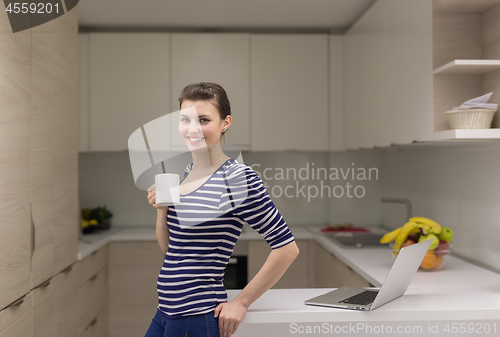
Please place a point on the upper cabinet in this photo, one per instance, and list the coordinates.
(220, 58)
(336, 92)
(289, 92)
(388, 60)
(466, 61)
(407, 62)
(129, 85)
(285, 90)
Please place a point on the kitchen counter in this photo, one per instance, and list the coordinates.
(373, 264)
(282, 312)
(460, 292)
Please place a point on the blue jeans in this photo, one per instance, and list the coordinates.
(194, 325)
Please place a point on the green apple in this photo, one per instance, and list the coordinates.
(430, 236)
(446, 234)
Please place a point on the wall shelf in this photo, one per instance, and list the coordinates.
(467, 67)
(465, 134)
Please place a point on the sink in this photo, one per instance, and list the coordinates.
(358, 240)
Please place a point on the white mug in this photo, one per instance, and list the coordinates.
(167, 189)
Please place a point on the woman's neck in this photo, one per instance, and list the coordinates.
(210, 158)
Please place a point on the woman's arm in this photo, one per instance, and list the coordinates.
(231, 313)
(275, 266)
(162, 229)
(161, 220)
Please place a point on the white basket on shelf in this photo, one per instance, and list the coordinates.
(470, 118)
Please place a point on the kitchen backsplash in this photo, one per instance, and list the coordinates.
(457, 185)
(308, 188)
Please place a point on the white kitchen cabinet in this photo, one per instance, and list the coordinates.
(296, 276)
(336, 60)
(129, 85)
(362, 53)
(466, 55)
(133, 272)
(388, 79)
(289, 92)
(333, 273)
(222, 58)
(407, 62)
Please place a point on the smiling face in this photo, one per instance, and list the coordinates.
(201, 128)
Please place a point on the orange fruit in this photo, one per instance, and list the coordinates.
(429, 261)
(438, 263)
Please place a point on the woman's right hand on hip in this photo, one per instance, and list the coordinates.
(152, 198)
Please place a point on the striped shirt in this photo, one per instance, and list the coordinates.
(203, 229)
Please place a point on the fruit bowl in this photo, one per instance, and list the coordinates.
(434, 259)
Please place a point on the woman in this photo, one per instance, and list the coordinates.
(218, 195)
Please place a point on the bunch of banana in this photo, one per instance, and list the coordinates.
(414, 225)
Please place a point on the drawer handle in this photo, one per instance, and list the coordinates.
(44, 284)
(17, 302)
(93, 277)
(94, 321)
(66, 270)
(93, 253)
(349, 268)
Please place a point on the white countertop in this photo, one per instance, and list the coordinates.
(418, 303)
(373, 264)
(460, 291)
(282, 312)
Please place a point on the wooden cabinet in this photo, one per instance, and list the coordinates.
(98, 327)
(92, 283)
(133, 272)
(222, 58)
(15, 320)
(331, 272)
(54, 133)
(55, 305)
(296, 276)
(92, 299)
(15, 165)
(129, 85)
(38, 175)
(84, 92)
(289, 100)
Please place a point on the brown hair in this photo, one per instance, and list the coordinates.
(205, 91)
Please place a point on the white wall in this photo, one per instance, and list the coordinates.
(458, 186)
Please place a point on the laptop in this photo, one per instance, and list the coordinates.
(395, 284)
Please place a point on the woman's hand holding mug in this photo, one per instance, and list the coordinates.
(152, 198)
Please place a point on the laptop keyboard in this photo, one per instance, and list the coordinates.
(363, 298)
